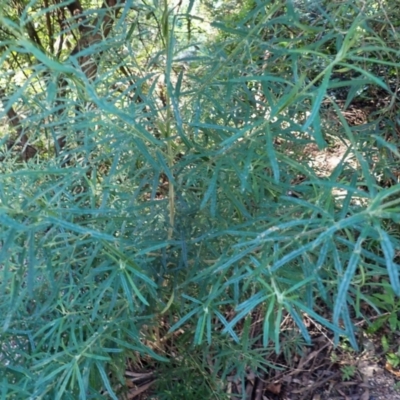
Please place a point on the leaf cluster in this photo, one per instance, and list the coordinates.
(171, 198)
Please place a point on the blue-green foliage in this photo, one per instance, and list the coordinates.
(172, 202)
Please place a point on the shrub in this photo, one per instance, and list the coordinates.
(168, 201)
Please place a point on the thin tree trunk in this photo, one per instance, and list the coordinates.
(90, 36)
(27, 151)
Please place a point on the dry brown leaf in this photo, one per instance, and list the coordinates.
(138, 375)
(132, 394)
(389, 367)
(274, 388)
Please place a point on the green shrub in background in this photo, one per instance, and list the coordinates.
(169, 200)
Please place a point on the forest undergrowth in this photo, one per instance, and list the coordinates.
(197, 198)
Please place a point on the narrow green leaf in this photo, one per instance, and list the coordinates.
(266, 325)
(317, 317)
(136, 290)
(81, 385)
(12, 223)
(246, 307)
(259, 78)
(4, 388)
(65, 380)
(229, 330)
(221, 26)
(199, 332)
(165, 168)
(348, 323)
(211, 190)
(347, 277)
(293, 255)
(322, 255)
(187, 297)
(240, 134)
(349, 195)
(184, 319)
(391, 147)
(105, 380)
(317, 103)
(178, 85)
(53, 374)
(118, 256)
(299, 322)
(169, 303)
(389, 253)
(295, 288)
(128, 294)
(369, 75)
(80, 229)
(141, 349)
(97, 357)
(51, 63)
(271, 153)
(145, 152)
(277, 328)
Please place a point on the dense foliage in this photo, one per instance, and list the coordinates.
(157, 195)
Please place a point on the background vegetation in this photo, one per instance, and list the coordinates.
(158, 204)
